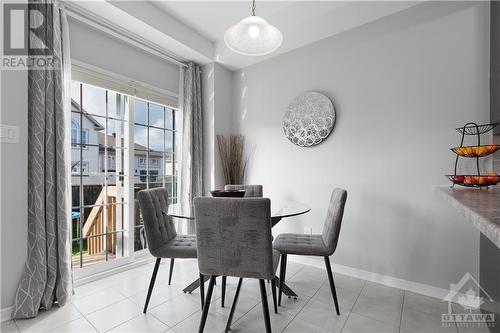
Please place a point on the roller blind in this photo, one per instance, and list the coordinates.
(101, 60)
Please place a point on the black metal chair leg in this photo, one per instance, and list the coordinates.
(152, 284)
(332, 284)
(265, 307)
(233, 307)
(282, 276)
(202, 290)
(206, 305)
(171, 270)
(223, 297)
(273, 287)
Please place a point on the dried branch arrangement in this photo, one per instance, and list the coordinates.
(231, 153)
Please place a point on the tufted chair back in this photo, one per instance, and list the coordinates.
(331, 230)
(158, 226)
(251, 191)
(234, 237)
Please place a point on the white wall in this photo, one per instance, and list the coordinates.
(13, 184)
(400, 86)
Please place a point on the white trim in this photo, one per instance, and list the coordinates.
(118, 32)
(97, 76)
(415, 287)
(122, 268)
(5, 313)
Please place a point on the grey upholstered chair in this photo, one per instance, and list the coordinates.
(163, 241)
(323, 245)
(234, 239)
(254, 191)
(251, 191)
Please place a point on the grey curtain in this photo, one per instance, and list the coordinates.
(192, 137)
(47, 276)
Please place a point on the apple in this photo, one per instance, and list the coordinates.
(459, 179)
(470, 180)
(481, 180)
(492, 178)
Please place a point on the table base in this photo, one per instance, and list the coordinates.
(196, 284)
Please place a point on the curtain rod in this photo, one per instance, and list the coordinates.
(114, 30)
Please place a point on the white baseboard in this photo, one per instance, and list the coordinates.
(5, 314)
(386, 280)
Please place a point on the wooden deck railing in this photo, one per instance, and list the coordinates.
(97, 226)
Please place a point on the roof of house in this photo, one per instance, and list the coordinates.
(75, 107)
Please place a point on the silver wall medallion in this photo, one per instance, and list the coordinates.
(309, 119)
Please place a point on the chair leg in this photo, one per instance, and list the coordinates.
(332, 284)
(282, 277)
(233, 307)
(265, 307)
(223, 290)
(171, 271)
(273, 288)
(206, 305)
(202, 290)
(151, 284)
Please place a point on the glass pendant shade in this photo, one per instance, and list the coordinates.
(253, 36)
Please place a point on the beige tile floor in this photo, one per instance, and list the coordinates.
(114, 304)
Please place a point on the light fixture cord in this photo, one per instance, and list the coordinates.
(253, 7)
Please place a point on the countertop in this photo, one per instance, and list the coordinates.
(480, 206)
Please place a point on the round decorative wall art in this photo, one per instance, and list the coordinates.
(309, 119)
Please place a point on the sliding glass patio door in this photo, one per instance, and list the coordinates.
(119, 145)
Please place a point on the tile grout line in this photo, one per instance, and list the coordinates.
(84, 317)
(17, 327)
(302, 308)
(349, 314)
(261, 302)
(402, 309)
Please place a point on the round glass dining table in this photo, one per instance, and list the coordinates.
(289, 209)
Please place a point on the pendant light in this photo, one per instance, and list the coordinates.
(253, 36)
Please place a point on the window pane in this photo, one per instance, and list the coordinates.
(140, 112)
(141, 137)
(116, 133)
(94, 100)
(169, 141)
(139, 233)
(169, 118)
(156, 114)
(169, 167)
(156, 139)
(140, 167)
(115, 161)
(93, 195)
(112, 105)
(115, 222)
(86, 129)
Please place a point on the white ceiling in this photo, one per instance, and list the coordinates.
(194, 30)
(301, 22)
(211, 19)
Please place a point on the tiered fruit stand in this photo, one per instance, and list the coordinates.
(476, 152)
